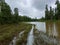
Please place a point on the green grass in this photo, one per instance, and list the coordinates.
(8, 31)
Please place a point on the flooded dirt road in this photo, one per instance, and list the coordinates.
(30, 39)
(42, 33)
(47, 33)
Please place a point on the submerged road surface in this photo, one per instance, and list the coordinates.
(30, 39)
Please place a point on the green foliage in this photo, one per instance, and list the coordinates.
(58, 10)
(46, 13)
(8, 31)
(53, 14)
(6, 15)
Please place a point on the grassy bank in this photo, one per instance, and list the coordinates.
(8, 31)
(23, 39)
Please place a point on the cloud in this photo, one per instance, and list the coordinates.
(40, 4)
(31, 8)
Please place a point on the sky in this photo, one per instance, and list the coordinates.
(31, 8)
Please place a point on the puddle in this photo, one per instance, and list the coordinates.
(30, 39)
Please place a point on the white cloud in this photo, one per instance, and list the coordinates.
(31, 8)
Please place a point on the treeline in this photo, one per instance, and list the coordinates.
(6, 15)
(53, 14)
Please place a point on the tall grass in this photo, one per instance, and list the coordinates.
(23, 39)
(8, 31)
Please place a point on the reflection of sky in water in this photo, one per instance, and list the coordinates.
(40, 26)
(30, 39)
(50, 29)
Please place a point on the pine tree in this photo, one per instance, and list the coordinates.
(16, 14)
(58, 10)
(51, 13)
(46, 13)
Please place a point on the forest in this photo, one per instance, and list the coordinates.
(53, 14)
(7, 16)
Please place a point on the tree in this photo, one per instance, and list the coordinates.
(16, 14)
(46, 13)
(58, 10)
(51, 13)
(5, 16)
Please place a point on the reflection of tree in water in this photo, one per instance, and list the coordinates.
(49, 26)
(54, 31)
(58, 28)
(48, 38)
(43, 39)
(51, 29)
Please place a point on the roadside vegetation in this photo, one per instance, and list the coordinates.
(7, 16)
(7, 32)
(23, 39)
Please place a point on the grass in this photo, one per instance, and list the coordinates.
(23, 39)
(8, 31)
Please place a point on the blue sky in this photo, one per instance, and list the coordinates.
(31, 8)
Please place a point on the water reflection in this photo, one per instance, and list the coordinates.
(39, 25)
(49, 33)
(50, 28)
(30, 39)
(58, 28)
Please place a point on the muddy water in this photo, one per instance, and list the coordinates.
(51, 29)
(30, 39)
